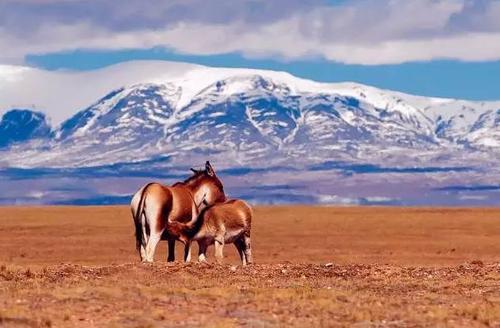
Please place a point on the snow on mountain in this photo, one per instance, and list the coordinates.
(61, 94)
(17, 126)
(486, 130)
(246, 116)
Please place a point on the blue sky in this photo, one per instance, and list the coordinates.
(448, 48)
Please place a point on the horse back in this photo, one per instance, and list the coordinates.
(233, 213)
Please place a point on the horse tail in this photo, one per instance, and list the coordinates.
(140, 226)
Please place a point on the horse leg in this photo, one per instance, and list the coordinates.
(219, 249)
(140, 246)
(156, 229)
(187, 252)
(154, 238)
(240, 246)
(171, 250)
(143, 253)
(248, 249)
(202, 251)
(144, 238)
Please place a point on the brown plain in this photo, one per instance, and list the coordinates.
(77, 266)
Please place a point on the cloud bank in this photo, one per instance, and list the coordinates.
(368, 32)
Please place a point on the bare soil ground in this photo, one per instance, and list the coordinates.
(315, 266)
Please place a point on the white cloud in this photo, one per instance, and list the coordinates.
(357, 32)
(379, 199)
(337, 200)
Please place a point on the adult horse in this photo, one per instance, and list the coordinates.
(155, 207)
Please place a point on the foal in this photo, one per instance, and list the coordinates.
(222, 223)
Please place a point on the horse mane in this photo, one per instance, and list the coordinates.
(188, 180)
(198, 176)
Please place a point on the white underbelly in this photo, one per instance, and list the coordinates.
(231, 236)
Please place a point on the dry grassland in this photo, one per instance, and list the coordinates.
(315, 266)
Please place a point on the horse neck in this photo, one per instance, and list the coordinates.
(191, 230)
(198, 190)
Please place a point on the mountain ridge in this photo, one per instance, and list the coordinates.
(245, 112)
(103, 80)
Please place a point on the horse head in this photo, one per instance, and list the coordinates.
(207, 188)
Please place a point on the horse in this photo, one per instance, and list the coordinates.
(223, 223)
(156, 207)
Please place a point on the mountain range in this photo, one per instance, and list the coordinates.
(156, 119)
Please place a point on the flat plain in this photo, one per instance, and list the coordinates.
(314, 266)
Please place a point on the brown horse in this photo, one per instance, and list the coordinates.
(155, 207)
(222, 223)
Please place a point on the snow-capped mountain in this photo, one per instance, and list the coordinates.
(18, 126)
(252, 114)
(242, 117)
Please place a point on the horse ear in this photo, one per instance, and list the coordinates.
(194, 170)
(209, 169)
